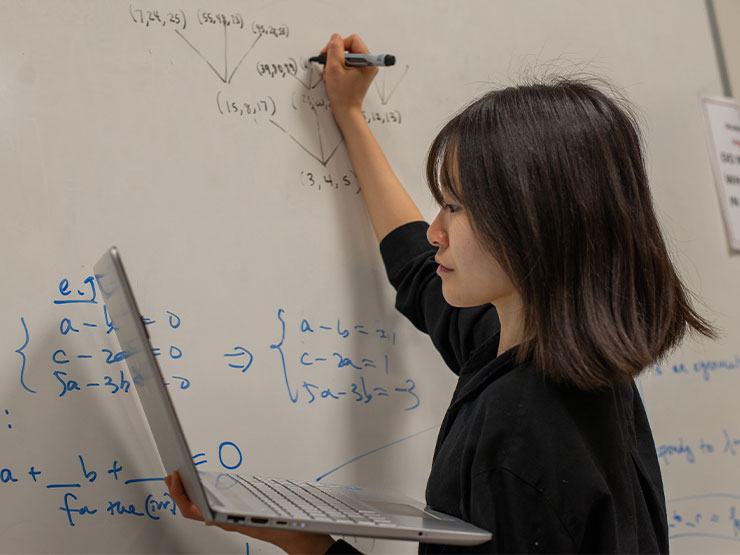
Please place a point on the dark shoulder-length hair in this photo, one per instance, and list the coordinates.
(553, 178)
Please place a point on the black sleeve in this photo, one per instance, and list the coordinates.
(409, 263)
(518, 515)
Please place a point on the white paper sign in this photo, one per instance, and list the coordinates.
(722, 116)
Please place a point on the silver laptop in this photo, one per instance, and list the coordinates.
(258, 501)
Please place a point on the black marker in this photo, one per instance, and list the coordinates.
(360, 60)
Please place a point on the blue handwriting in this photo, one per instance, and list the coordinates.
(713, 515)
(344, 332)
(19, 350)
(360, 390)
(241, 352)
(691, 451)
(82, 296)
(84, 510)
(703, 368)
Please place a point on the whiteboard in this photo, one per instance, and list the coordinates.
(195, 137)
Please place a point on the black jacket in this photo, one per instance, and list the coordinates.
(546, 468)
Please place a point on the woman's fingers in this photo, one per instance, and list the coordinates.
(177, 492)
(354, 43)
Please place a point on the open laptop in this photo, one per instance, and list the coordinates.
(257, 501)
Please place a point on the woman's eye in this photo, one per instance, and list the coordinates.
(451, 208)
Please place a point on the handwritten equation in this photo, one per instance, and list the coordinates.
(318, 359)
(365, 378)
(713, 515)
(71, 366)
(78, 492)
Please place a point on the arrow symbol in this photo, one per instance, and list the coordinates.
(240, 352)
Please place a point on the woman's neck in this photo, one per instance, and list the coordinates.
(511, 316)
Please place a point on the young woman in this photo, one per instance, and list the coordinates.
(545, 284)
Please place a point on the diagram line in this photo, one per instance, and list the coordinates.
(226, 53)
(311, 154)
(397, 83)
(380, 93)
(333, 151)
(318, 81)
(201, 55)
(376, 450)
(299, 80)
(318, 132)
(243, 57)
(310, 85)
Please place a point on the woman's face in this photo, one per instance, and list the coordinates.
(471, 276)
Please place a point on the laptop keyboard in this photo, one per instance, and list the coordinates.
(305, 500)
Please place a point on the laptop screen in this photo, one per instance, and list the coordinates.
(146, 375)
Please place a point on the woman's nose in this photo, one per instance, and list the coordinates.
(436, 234)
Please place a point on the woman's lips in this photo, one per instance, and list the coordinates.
(442, 269)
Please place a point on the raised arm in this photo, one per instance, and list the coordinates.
(388, 203)
(454, 332)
